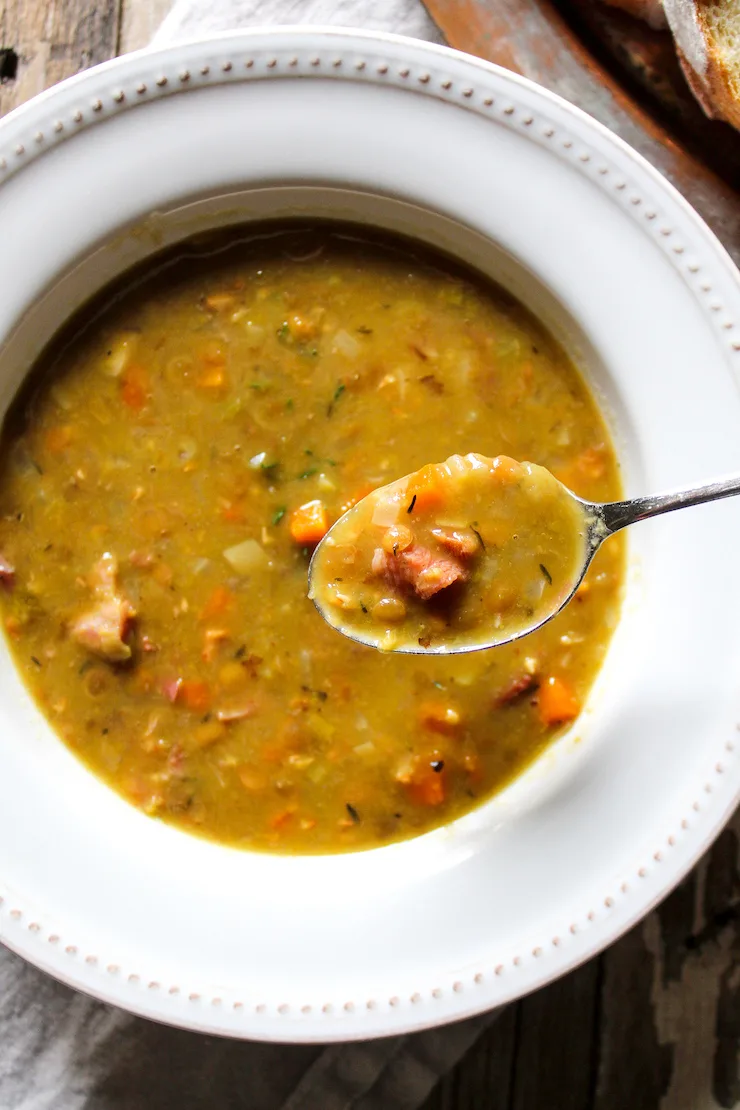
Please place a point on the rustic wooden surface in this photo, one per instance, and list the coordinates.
(654, 1022)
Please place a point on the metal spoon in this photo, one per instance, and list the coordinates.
(602, 519)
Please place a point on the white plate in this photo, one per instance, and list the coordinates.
(468, 156)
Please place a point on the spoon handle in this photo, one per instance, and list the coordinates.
(618, 514)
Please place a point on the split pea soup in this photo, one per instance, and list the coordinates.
(166, 473)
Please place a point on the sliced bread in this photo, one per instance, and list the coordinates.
(707, 34)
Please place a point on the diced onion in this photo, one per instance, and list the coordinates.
(388, 510)
(246, 557)
(346, 344)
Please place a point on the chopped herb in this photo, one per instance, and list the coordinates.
(321, 695)
(305, 552)
(309, 473)
(105, 731)
(278, 515)
(546, 573)
(48, 547)
(438, 685)
(476, 533)
(363, 607)
(283, 332)
(85, 666)
(365, 330)
(269, 467)
(437, 765)
(240, 652)
(205, 719)
(337, 394)
(308, 451)
(411, 506)
(35, 660)
(289, 404)
(36, 466)
(259, 387)
(353, 813)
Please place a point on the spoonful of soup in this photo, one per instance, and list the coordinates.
(467, 554)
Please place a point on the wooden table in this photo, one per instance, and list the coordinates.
(654, 1022)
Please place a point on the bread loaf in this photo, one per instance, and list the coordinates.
(707, 34)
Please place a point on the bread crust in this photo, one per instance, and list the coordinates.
(701, 61)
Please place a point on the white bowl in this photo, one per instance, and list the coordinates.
(115, 163)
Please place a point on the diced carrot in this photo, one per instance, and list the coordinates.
(220, 302)
(440, 717)
(427, 789)
(592, 463)
(212, 377)
(506, 470)
(428, 487)
(13, 626)
(302, 327)
(59, 437)
(585, 468)
(309, 523)
(233, 513)
(281, 819)
(194, 695)
(135, 386)
(557, 702)
(220, 602)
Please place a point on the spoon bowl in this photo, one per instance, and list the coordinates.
(590, 524)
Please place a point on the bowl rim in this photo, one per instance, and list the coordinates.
(20, 144)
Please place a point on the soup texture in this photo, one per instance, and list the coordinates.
(165, 476)
(464, 553)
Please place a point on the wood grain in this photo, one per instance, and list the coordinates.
(54, 39)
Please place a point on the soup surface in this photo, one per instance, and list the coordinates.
(469, 552)
(165, 476)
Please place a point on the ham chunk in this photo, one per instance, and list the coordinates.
(418, 568)
(7, 572)
(101, 628)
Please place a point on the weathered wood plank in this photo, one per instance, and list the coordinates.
(53, 39)
(557, 1043)
(483, 1079)
(139, 20)
(670, 1008)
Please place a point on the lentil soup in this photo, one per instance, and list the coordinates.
(176, 455)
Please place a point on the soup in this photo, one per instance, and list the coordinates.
(177, 454)
(459, 555)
